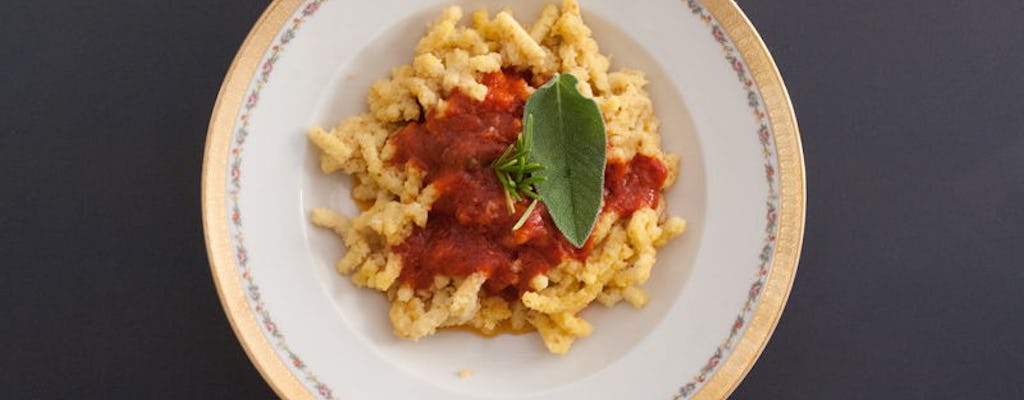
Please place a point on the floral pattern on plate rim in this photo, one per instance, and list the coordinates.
(235, 188)
(295, 362)
(766, 137)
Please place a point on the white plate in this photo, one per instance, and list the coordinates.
(716, 292)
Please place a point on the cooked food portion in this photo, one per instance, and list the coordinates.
(453, 239)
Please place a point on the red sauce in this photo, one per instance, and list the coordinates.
(469, 228)
(634, 185)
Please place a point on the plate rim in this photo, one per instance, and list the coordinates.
(748, 347)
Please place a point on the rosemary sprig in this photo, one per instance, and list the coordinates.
(526, 215)
(515, 172)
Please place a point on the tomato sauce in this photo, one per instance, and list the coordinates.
(633, 185)
(469, 228)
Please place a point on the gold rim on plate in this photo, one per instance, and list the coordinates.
(762, 322)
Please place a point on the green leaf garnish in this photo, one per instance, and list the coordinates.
(570, 144)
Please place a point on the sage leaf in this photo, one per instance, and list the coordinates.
(569, 141)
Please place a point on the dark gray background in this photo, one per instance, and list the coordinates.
(909, 286)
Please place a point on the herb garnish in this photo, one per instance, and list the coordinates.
(515, 173)
(564, 167)
(571, 145)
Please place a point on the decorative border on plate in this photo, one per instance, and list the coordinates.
(229, 258)
(766, 136)
(235, 187)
